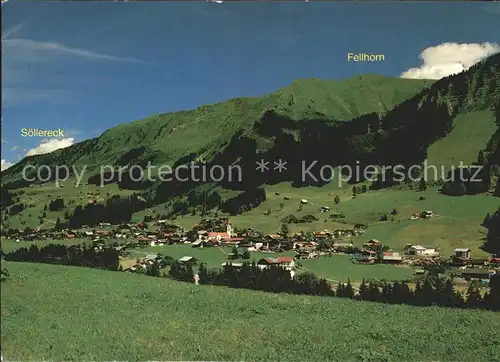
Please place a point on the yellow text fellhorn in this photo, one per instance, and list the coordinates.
(365, 57)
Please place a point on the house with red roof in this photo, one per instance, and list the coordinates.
(392, 257)
(286, 261)
(495, 260)
(217, 236)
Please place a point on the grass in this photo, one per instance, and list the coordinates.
(471, 133)
(41, 196)
(86, 314)
(458, 225)
(336, 267)
(340, 268)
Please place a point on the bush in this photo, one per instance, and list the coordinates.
(4, 275)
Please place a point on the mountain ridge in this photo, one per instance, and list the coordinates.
(298, 100)
(289, 124)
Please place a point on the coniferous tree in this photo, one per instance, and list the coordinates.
(324, 288)
(492, 223)
(419, 295)
(57, 226)
(422, 185)
(448, 295)
(235, 252)
(406, 295)
(348, 290)
(428, 297)
(492, 300)
(480, 158)
(189, 273)
(385, 294)
(487, 220)
(175, 270)
(374, 292)
(396, 293)
(364, 291)
(474, 298)
(203, 274)
(153, 270)
(284, 230)
(340, 290)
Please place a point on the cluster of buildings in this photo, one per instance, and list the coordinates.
(144, 263)
(426, 214)
(306, 245)
(285, 262)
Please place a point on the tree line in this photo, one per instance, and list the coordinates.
(72, 255)
(432, 291)
(116, 210)
(492, 224)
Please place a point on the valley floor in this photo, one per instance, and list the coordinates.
(67, 313)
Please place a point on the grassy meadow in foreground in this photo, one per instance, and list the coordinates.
(83, 314)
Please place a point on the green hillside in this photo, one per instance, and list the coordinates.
(382, 113)
(370, 120)
(88, 314)
(471, 133)
(206, 130)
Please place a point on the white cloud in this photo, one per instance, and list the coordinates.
(24, 78)
(11, 31)
(48, 146)
(5, 165)
(28, 50)
(450, 58)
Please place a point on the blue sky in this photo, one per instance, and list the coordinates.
(88, 67)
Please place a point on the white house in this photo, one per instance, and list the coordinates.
(186, 259)
(462, 253)
(234, 265)
(420, 250)
(244, 247)
(198, 243)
